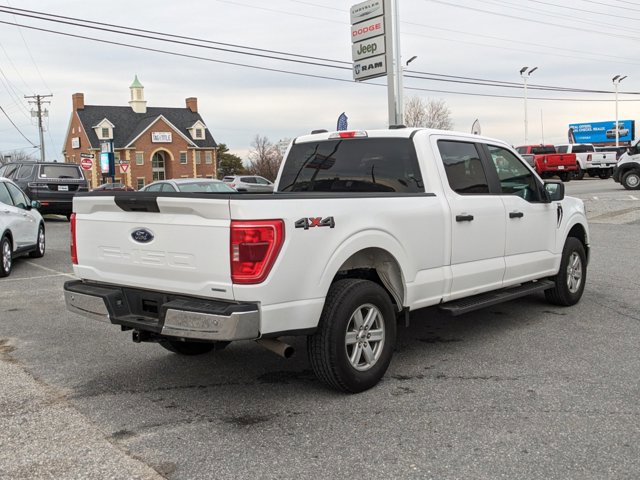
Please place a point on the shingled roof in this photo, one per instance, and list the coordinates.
(129, 124)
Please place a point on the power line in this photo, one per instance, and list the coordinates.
(16, 127)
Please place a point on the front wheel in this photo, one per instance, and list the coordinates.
(6, 257)
(572, 276)
(191, 348)
(631, 180)
(352, 347)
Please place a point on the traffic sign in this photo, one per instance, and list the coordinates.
(124, 167)
(86, 163)
(87, 155)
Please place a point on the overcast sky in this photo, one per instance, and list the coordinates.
(576, 44)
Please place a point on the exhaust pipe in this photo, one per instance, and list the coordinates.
(276, 346)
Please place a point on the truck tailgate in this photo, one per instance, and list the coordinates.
(566, 160)
(164, 243)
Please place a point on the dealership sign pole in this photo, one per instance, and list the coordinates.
(375, 46)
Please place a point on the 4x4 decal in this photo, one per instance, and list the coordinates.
(311, 222)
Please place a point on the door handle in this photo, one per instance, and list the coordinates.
(516, 214)
(464, 218)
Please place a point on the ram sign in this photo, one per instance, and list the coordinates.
(602, 132)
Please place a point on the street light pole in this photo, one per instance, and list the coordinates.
(525, 72)
(616, 81)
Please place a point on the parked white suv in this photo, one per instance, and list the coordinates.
(21, 226)
(249, 183)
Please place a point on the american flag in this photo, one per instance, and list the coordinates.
(342, 122)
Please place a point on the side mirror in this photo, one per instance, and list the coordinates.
(554, 190)
(35, 204)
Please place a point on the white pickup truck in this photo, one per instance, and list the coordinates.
(594, 163)
(364, 227)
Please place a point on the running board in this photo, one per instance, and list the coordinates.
(469, 304)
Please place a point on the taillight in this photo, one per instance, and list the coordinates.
(589, 158)
(74, 252)
(254, 248)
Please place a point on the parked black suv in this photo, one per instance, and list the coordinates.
(53, 184)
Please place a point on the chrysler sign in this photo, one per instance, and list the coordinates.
(366, 10)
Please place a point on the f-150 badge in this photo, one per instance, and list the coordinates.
(311, 222)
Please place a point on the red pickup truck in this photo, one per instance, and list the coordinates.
(548, 162)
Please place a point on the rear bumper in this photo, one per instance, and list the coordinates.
(163, 313)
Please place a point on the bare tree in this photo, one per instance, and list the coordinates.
(264, 158)
(16, 156)
(430, 113)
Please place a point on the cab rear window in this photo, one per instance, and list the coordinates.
(60, 171)
(352, 165)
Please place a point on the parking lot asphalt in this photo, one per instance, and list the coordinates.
(519, 390)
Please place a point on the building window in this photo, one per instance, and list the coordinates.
(208, 157)
(140, 183)
(183, 158)
(105, 132)
(116, 156)
(140, 158)
(198, 161)
(199, 133)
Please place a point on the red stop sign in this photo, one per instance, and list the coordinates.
(86, 163)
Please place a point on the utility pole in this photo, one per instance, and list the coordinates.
(525, 72)
(616, 81)
(38, 100)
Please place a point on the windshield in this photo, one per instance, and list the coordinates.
(352, 165)
(543, 150)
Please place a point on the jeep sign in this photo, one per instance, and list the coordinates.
(367, 48)
(369, 68)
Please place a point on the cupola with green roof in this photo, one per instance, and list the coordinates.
(137, 103)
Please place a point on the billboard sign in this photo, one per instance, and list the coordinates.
(602, 132)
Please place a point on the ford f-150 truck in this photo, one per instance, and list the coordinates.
(590, 161)
(363, 228)
(548, 162)
(627, 172)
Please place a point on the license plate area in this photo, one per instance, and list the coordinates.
(63, 188)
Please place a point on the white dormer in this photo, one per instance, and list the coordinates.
(104, 130)
(197, 130)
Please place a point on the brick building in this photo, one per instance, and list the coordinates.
(149, 143)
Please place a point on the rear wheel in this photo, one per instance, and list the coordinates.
(352, 347)
(605, 174)
(6, 257)
(191, 348)
(41, 245)
(631, 180)
(565, 176)
(572, 276)
(579, 174)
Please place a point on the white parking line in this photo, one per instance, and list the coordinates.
(595, 198)
(13, 279)
(632, 197)
(48, 269)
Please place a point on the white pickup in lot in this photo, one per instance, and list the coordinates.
(591, 162)
(363, 228)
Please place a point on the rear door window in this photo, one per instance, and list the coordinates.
(4, 195)
(19, 199)
(25, 171)
(463, 167)
(352, 165)
(9, 170)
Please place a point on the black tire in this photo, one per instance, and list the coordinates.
(631, 180)
(565, 176)
(605, 175)
(572, 276)
(40, 244)
(6, 257)
(191, 348)
(579, 174)
(345, 352)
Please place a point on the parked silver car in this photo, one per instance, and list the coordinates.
(21, 226)
(249, 183)
(195, 185)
